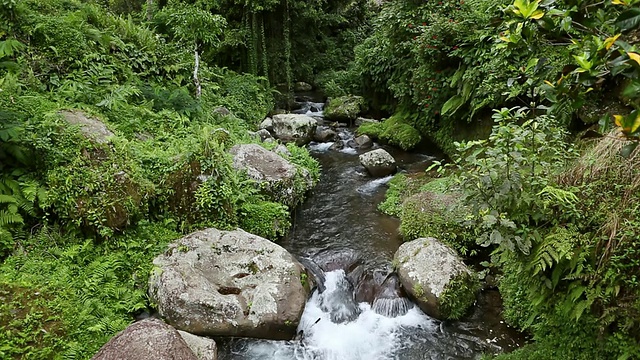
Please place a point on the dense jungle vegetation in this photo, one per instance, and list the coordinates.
(535, 102)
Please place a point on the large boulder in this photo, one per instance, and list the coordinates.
(277, 177)
(378, 162)
(301, 86)
(294, 128)
(229, 283)
(436, 278)
(90, 127)
(149, 339)
(344, 108)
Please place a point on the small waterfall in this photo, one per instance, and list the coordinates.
(391, 300)
(338, 299)
(392, 307)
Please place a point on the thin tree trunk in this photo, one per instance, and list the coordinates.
(149, 10)
(196, 80)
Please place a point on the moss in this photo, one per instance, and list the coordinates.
(344, 108)
(430, 214)
(371, 129)
(458, 296)
(395, 131)
(267, 219)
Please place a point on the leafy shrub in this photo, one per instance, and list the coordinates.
(265, 218)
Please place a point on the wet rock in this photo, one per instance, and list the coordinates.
(436, 278)
(337, 145)
(149, 339)
(203, 348)
(90, 127)
(338, 299)
(363, 142)
(228, 283)
(390, 299)
(264, 134)
(344, 108)
(294, 128)
(360, 120)
(324, 134)
(301, 86)
(266, 124)
(275, 176)
(378, 162)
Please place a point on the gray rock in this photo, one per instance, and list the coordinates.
(294, 128)
(275, 175)
(149, 339)
(90, 127)
(266, 124)
(363, 142)
(282, 150)
(264, 134)
(301, 86)
(433, 274)
(378, 162)
(221, 110)
(203, 348)
(324, 134)
(228, 283)
(360, 120)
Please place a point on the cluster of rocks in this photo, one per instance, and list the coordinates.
(215, 283)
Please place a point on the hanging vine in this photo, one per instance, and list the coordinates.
(265, 57)
(253, 47)
(287, 46)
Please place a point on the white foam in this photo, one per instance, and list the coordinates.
(372, 185)
(320, 147)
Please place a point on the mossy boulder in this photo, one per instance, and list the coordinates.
(344, 108)
(283, 181)
(98, 184)
(436, 278)
(394, 131)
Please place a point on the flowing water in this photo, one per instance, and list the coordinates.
(359, 311)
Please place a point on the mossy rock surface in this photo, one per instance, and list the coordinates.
(436, 278)
(344, 108)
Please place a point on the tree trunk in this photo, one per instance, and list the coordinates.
(196, 69)
(149, 10)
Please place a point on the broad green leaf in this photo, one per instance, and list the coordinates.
(629, 19)
(452, 105)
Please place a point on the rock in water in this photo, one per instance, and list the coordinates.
(378, 162)
(344, 108)
(338, 299)
(364, 142)
(149, 339)
(301, 86)
(294, 128)
(391, 300)
(228, 283)
(276, 176)
(436, 278)
(203, 348)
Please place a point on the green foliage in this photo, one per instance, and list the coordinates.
(458, 296)
(505, 178)
(80, 293)
(397, 130)
(265, 218)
